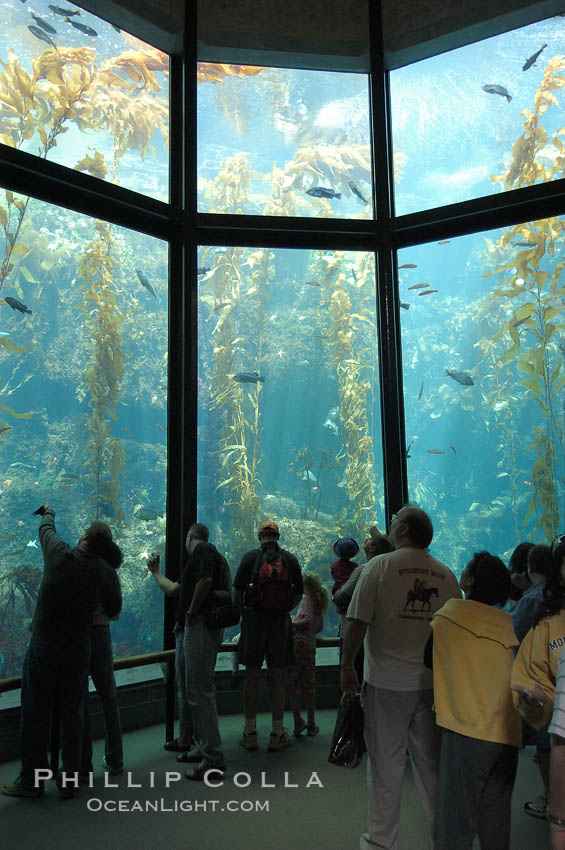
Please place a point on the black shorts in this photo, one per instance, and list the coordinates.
(266, 635)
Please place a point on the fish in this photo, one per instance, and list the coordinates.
(313, 283)
(144, 281)
(408, 266)
(16, 305)
(202, 270)
(453, 450)
(408, 447)
(532, 60)
(444, 241)
(57, 10)
(42, 36)
(526, 243)
(32, 544)
(147, 513)
(435, 452)
(427, 292)
(83, 28)
(421, 391)
(322, 192)
(43, 24)
(221, 305)
(248, 378)
(461, 377)
(356, 191)
(4, 333)
(332, 420)
(69, 476)
(521, 321)
(419, 286)
(308, 475)
(495, 89)
(5, 429)
(404, 305)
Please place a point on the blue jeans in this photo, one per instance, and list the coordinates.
(53, 674)
(185, 717)
(200, 650)
(102, 672)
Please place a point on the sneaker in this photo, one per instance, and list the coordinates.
(249, 740)
(312, 730)
(537, 808)
(66, 792)
(280, 742)
(299, 725)
(21, 788)
(113, 771)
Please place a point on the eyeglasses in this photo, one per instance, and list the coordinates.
(557, 543)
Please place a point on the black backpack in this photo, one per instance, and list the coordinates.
(220, 609)
(270, 586)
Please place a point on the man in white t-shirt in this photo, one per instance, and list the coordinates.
(396, 597)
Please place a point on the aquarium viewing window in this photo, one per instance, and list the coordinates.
(274, 141)
(345, 333)
(81, 92)
(272, 326)
(484, 382)
(83, 406)
(481, 119)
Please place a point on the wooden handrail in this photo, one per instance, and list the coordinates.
(152, 658)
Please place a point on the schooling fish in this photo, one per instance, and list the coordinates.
(202, 270)
(532, 60)
(16, 305)
(461, 377)
(83, 28)
(444, 241)
(356, 191)
(43, 24)
(408, 266)
(421, 391)
(57, 10)
(322, 192)
(404, 305)
(526, 243)
(435, 452)
(494, 89)
(427, 292)
(419, 286)
(144, 281)
(42, 36)
(248, 378)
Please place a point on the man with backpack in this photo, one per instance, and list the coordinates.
(268, 586)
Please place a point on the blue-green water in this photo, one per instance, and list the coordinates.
(88, 366)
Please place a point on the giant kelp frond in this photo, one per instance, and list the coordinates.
(526, 167)
(210, 72)
(104, 373)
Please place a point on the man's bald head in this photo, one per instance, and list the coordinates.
(414, 525)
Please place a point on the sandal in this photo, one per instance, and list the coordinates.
(198, 773)
(174, 746)
(189, 756)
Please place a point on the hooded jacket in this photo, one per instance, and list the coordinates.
(473, 654)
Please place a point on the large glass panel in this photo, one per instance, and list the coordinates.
(289, 426)
(273, 141)
(81, 92)
(481, 119)
(83, 366)
(484, 385)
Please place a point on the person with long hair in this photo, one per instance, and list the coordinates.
(307, 623)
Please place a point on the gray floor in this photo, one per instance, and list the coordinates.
(229, 817)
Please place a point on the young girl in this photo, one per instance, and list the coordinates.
(302, 677)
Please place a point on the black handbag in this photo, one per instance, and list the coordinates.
(348, 741)
(221, 611)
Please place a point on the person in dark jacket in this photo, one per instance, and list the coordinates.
(75, 580)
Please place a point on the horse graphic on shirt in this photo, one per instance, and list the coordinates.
(422, 594)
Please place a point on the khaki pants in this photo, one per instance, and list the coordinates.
(397, 721)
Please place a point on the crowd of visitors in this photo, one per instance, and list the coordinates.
(455, 675)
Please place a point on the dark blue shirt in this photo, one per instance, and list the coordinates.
(525, 610)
